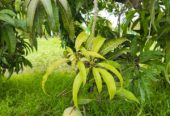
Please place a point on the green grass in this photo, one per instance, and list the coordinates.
(22, 95)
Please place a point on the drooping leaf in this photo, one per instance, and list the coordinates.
(4, 60)
(82, 71)
(127, 94)
(31, 12)
(48, 27)
(111, 45)
(27, 62)
(56, 25)
(49, 10)
(50, 69)
(12, 38)
(97, 78)
(6, 18)
(114, 70)
(8, 12)
(76, 86)
(97, 43)
(67, 18)
(9, 37)
(92, 54)
(114, 64)
(48, 7)
(82, 37)
(109, 80)
(39, 21)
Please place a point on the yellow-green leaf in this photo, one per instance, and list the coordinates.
(76, 86)
(50, 70)
(89, 42)
(92, 54)
(69, 50)
(111, 44)
(97, 43)
(82, 71)
(114, 63)
(112, 69)
(70, 54)
(127, 94)
(82, 37)
(98, 80)
(109, 80)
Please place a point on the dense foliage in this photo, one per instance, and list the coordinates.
(140, 43)
(13, 47)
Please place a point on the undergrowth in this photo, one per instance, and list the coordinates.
(22, 95)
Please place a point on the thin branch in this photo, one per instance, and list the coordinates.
(95, 16)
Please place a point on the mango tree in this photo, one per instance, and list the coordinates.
(136, 52)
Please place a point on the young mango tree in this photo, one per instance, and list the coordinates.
(144, 54)
(89, 62)
(139, 44)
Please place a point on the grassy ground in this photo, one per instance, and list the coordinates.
(22, 94)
